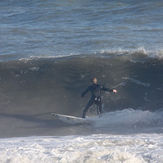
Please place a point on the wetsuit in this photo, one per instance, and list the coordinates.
(95, 90)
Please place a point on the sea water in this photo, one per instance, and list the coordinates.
(49, 51)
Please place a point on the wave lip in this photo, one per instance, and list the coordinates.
(137, 52)
(131, 54)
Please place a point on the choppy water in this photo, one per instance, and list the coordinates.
(94, 148)
(52, 28)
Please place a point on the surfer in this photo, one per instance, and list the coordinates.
(95, 90)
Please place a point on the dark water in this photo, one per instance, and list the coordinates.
(32, 89)
(56, 84)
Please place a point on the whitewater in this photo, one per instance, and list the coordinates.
(133, 137)
(93, 148)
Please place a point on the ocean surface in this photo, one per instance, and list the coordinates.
(49, 51)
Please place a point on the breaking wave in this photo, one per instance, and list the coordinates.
(31, 89)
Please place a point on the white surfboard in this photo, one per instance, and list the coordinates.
(70, 119)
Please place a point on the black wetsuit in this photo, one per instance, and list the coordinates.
(95, 90)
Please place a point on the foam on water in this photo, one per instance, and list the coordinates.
(93, 148)
(129, 118)
(130, 54)
(134, 147)
(136, 52)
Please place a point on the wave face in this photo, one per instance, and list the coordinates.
(57, 83)
(32, 89)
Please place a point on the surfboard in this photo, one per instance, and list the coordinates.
(70, 119)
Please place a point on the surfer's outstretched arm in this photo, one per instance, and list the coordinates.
(108, 89)
(85, 92)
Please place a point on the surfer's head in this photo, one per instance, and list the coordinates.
(94, 80)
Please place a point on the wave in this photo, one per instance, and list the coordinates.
(39, 86)
(58, 82)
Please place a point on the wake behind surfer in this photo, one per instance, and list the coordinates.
(95, 89)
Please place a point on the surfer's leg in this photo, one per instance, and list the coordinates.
(87, 107)
(99, 108)
(98, 102)
(98, 112)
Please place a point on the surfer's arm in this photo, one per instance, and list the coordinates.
(85, 92)
(108, 89)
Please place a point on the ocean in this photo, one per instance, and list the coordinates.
(49, 51)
